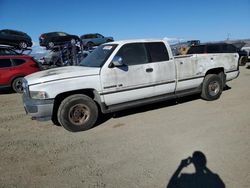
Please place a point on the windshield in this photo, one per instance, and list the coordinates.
(98, 56)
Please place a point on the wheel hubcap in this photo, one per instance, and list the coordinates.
(213, 88)
(23, 45)
(79, 114)
(18, 86)
(51, 44)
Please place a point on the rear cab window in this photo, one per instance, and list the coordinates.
(157, 51)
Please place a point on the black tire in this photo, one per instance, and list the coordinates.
(50, 45)
(212, 87)
(73, 41)
(23, 45)
(17, 85)
(77, 113)
(89, 45)
(242, 61)
(55, 121)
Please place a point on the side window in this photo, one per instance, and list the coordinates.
(213, 49)
(157, 51)
(133, 54)
(196, 49)
(62, 34)
(13, 32)
(4, 63)
(7, 52)
(3, 32)
(99, 36)
(18, 62)
(231, 49)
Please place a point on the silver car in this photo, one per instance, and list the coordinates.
(95, 39)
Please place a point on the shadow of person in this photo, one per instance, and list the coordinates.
(202, 178)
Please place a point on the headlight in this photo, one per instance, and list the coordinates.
(38, 95)
(25, 86)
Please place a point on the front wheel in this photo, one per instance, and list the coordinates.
(17, 85)
(77, 113)
(212, 87)
(242, 61)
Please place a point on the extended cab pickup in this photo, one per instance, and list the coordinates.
(120, 75)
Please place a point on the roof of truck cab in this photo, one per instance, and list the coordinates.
(136, 41)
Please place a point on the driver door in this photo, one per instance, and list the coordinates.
(132, 81)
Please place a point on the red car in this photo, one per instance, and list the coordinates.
(13, 67)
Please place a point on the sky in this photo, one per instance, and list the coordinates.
(208, 20)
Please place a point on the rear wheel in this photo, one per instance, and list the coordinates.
(243, 61)
(212, 87)
(50, 45)
(73, 41)
(23, 45)
(77, 113)
(17, 85)
(90, 45)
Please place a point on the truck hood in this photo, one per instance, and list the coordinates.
(61, 73)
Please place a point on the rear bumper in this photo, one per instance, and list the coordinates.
(40, 110)
(232, 75)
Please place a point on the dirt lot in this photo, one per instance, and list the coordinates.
(135, 148)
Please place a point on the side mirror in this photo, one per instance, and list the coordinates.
(117, 61)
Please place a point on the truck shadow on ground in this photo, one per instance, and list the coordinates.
(202, 177)
(155, 106)
(149, 107)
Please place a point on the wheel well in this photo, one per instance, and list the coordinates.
(215, 71)
(220, 72)
(60, 97)
(12, 80)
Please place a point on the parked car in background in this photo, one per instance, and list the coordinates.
(181, 48)
(219, 48)
(95, 39)
(13, 67)
(63, 55)
(15, 38)
(49, 40)
(247, 49)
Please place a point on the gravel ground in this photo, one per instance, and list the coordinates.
(134, 148)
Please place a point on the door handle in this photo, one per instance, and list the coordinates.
(149, 70)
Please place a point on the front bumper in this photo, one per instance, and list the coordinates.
(40, 110)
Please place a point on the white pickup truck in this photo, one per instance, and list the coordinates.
(120, 75)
